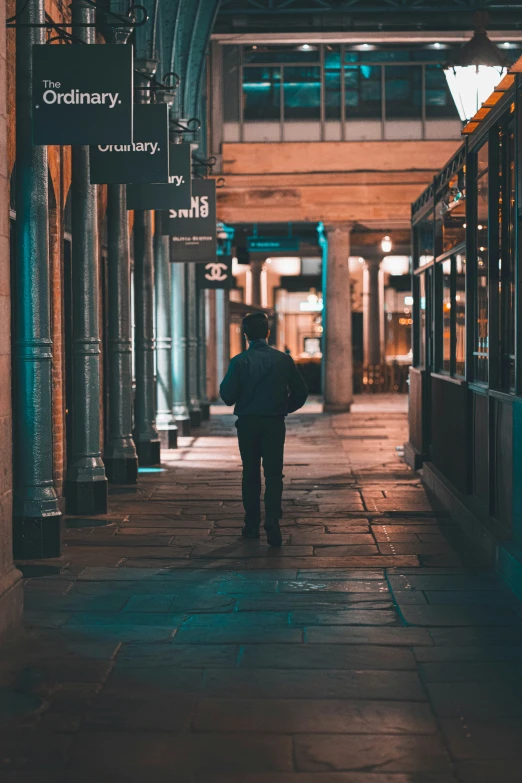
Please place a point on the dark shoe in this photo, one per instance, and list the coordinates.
(249, 531)
(273, 532)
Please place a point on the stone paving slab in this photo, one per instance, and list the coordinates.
(372, 648)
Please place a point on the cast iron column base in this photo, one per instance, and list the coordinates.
(86, 497)
(195, 417)
(183, 427)
(205, 411)
(168, 437)
(36, 537)
(149, 452)
(121, 470)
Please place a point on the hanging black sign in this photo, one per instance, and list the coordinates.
(82, 94)
(193, 230)
(146, 159)
(216, 273)
(175, 195)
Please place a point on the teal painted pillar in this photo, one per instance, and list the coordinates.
(36, 531)
(179, 349)
(120, 458)
(146, 435)
(191, 295)
(222, 333)
(86, 486)
(202, 355)
(166, 423)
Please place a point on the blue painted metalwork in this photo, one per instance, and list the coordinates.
(165, 420)
(86, 486)
(36, 514)
(120, 457)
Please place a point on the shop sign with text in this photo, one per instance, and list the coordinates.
(193, 230)
(216, 274)
(264, 244)
(145, 159)
(174, 195)
(82, 94)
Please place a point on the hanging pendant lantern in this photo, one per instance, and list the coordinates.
(477, 69)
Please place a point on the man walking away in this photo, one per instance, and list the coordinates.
(265, 386)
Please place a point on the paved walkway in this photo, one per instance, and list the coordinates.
(369, 649)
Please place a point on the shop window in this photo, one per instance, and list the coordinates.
(451, 305)
(332, 83)
(506, 276)
(450, 215)
(403, 92)
(439, 102)
(261, 93)
(231, 85)
(363, 91)
(481, 326)
(460, 315)
(446, 316)
(422, 320)
(423, 241)
(302, 91)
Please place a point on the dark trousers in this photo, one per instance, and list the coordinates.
(261, 438)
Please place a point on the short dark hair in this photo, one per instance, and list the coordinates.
(255, 326)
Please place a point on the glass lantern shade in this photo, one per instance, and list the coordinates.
(471, 85)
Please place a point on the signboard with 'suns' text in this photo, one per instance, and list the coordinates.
(193, 230)
(146, 159)
(176, 194)
(82, 94)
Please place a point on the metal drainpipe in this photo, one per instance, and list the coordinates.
(86, 486)
(167, 428)
(36, 520)
(192, 345)
(146, 435)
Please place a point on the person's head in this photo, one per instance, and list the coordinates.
(255, 326)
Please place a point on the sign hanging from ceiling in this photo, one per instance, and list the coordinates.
(262, 244)
(82, 94)
(216, 274)
(144, 160)
(193, 230)
(174, 195)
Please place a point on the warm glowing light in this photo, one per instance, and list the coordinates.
(386, 244)
(286, 266)
(471, 85)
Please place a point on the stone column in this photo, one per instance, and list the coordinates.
(191, 294)
(86, 487)
(179, 349)
(202, 355)
(121, 461)
(372, 313)
(337, 321)
(256, 267)
(166, 423)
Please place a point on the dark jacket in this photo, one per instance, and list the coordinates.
(263, 382)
